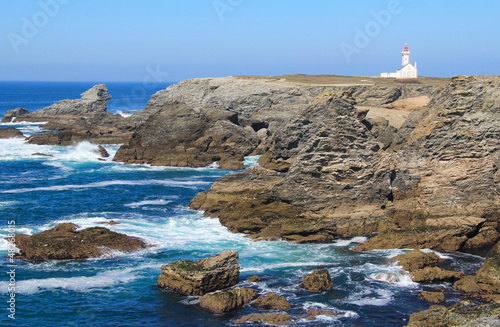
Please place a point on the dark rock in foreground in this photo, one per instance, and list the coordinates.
(10, 132)
(317, 281)
(65, 242)
(225, 301)
(464, 313)
(203, 276)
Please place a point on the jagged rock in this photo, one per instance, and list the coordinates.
(434, 297)
(485, 285)
(225, 301)
(14, 115)
(91, 102)
(65, 242)
(435, 275)
(463, 313)
(203, 276)
(486, 238)
(417, 259)
(272, 301)
(10, 133)
(102, 152)
(254, 279)
(317, 281)
(276, 319)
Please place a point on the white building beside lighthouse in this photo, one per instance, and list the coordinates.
(407, 71)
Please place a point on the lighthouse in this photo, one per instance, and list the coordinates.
(407, 70)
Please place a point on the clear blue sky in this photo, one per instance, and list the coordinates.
(127, 40)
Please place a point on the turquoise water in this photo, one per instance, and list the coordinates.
(152, 203)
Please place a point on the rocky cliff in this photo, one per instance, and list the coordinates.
(435, 186)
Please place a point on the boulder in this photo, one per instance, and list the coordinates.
(225, 301)
(102, 152)
(463, 313)
(417, 259)
(434, 297)
(272, 301)
(317, 281)
(203, 276)
(10, 133)
(254, 279)
(64, 242)
(273, 319)
(14, 115)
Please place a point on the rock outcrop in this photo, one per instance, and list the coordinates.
(327, 175)
(434, 297)
(485, 285)
(10, 133)
(225, 301)
(464, 314)
(272, 301)
(65, 242)
(423, 267)
(317, 281)
(14, 115)
(203, 276)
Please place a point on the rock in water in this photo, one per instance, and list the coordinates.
(272, 301)
(417, 259)
(10, 133)
(317, 281)
(273, 319)
(102, 152)
(434, 297)
(65, 242)
(203, 276)
(227, 300)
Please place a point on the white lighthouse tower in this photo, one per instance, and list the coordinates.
(407, 71)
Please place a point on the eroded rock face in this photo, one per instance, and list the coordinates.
(317, 281)
(65, 242)
(203, 276)
(225, 301)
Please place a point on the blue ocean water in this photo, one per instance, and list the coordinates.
(152, 203)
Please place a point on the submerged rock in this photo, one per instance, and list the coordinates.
(10, 133)
(65, 242)
(274, 319)
(317, 281)
(203, 276)
(254, 279)
(227, 300)
(272, 301)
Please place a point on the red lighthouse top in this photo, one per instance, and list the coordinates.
(405, 49)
